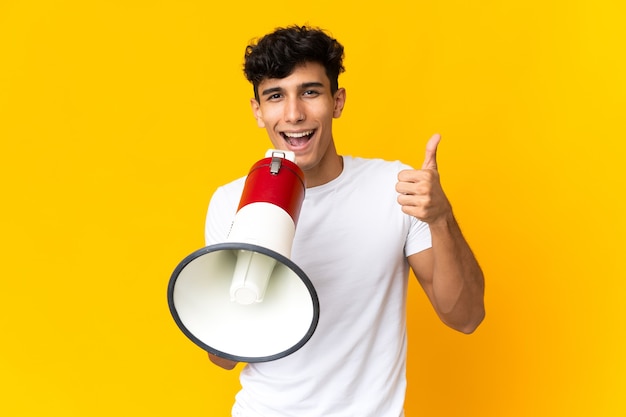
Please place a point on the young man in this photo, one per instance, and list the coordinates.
(363, 223)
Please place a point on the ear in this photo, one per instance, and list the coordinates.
(340, 101)
(256, 111)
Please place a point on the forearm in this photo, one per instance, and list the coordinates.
(221, 362)
(457, 280)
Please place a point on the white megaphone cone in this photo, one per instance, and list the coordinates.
(244, 299)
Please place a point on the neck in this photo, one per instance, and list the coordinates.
(329, 168)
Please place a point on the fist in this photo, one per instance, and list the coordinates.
(420, 192)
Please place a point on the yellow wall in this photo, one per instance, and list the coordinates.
(119, 118)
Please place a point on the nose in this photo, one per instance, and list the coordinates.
(294, 112)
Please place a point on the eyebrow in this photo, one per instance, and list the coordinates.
(303, 86)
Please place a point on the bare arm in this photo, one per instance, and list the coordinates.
(448, 272)
(451, 278)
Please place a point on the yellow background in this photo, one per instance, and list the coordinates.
(119, 118)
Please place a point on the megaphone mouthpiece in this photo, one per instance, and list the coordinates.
(251, 276)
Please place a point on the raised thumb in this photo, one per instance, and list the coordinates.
(430, 159)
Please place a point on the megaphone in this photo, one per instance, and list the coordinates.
(244, 299)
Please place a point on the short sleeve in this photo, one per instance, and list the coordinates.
(418, 238)
(221, 212)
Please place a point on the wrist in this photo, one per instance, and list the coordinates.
(444, 222)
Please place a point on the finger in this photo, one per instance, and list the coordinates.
(409, 175)
(405, 188)
(430, 160)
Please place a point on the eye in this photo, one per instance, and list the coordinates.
(311, 93)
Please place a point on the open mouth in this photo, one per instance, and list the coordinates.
(297, 139)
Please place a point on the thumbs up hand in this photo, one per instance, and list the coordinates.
(420, 192)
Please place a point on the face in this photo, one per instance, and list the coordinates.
(297, 112)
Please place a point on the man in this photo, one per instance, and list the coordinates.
(362, 224)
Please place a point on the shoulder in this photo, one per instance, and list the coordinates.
(373, 168)
(229, 192)
(374, 163)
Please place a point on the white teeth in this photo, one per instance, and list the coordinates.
(297, 134)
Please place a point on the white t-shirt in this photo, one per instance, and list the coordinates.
(352, 240)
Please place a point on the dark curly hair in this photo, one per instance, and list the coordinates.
(277, 54)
